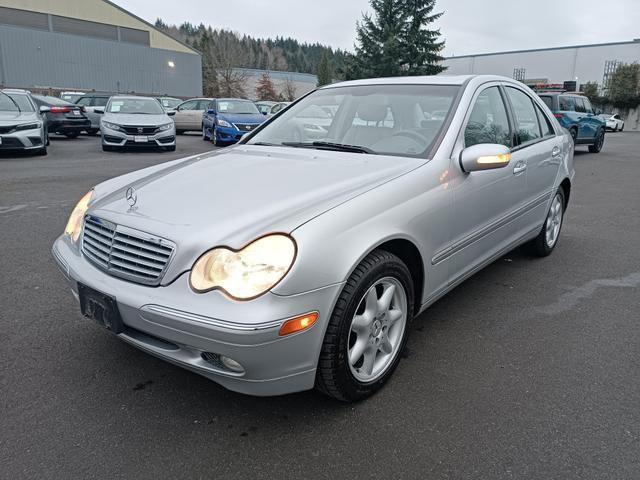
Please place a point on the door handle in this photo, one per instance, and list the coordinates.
(555, 153)
(519, 167)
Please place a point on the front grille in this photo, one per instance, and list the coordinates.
(246, 127)
(139, 130)
(124, 252)
(11, 142)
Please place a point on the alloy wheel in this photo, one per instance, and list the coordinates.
(377, 329)
(554, 221)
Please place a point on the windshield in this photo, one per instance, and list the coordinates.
(234, 107)
(7, 104)
(71, 97)
(141, 106)
(385, 119)
(23, 102)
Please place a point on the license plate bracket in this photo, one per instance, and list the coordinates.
(140, 139)
(101, 308)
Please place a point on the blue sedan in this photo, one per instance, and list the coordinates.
(226, 120)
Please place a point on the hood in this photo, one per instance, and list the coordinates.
(15, 118)
(137, 120)
(242, 118)
(231, 198)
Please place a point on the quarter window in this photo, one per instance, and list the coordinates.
(580, 107)
(525, 116)
(567, 104)
(488, 122)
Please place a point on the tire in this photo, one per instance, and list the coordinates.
(622, 128)
(574, 135)
(42, 152)
(92, 131)
(72, 134)
(179, 132)
(336, 375)
(47, 142)
(171, 148)
(205, 137)
(108, 148)
(597, 147)
(541, 246)
(214, 138)
(615, 129)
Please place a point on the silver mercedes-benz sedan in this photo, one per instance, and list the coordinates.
(130, 121)
(287, 263)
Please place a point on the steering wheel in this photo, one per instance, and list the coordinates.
(412, 135)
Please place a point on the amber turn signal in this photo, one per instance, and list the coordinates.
(298, 324)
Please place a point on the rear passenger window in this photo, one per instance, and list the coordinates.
(545, 124)
(488, 122)
(526, 118)
(548, 101)
(567, 104)
(84, 101)
(580, 108)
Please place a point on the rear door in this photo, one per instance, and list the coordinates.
(184, 117)
(538, 150)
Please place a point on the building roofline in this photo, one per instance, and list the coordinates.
(506, 52)
(124, 10)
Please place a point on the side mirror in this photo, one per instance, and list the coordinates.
(171, 113)
(211, 111)
(98, 110)
(484, 156)
(44, 109)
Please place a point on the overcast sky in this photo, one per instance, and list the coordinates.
(468, 26)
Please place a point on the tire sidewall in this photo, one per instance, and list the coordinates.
(547, 248)
(353, 388)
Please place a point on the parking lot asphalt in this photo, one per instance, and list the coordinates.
(530, 369)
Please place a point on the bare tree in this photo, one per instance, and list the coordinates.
(288, 91)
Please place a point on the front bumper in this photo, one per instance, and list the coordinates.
(228, 135)
(117, 138)
(176, 324)
(23, 140)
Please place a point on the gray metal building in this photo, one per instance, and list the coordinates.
(91, 45)
(579, 63)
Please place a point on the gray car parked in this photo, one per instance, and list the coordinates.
(285, 263)
(130, 121)
(22, 126)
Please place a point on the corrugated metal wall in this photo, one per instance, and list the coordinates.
(32, 58)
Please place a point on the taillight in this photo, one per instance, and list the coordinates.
(60, 109)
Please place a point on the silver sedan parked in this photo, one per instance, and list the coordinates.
(136, 122)
(22, 125)
(285, 263)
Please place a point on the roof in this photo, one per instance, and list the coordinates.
(115, 5)
(568, 47)
(408, 80)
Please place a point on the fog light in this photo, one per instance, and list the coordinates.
(231, 364)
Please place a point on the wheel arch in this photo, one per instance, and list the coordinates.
(566, 188)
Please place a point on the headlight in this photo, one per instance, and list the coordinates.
(223, 123)
(28, 126)
(165, 127)
(110, 125)
(74, 225)
(247, 273)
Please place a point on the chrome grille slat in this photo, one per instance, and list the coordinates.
(124, 252)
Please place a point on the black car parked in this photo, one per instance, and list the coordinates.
(63, 118)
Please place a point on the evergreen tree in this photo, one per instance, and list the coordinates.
(379, 50)
(395, 40)
(265, 89)
(421, 46)
(324, 71)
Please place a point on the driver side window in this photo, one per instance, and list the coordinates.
(488, 122)
(188, 105)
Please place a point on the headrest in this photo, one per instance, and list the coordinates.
(372, 112)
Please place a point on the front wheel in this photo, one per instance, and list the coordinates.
(597, 146)
(368, 329)
(547, 239)
(205, 135)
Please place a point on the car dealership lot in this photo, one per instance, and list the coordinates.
(527, 370)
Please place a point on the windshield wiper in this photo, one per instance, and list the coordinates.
(337, 147)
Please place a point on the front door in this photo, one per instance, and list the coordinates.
(485, 202)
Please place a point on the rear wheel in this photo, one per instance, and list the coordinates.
(368, 329)
(547, 239)
(597, 146)
(574, 135)
(72, 134)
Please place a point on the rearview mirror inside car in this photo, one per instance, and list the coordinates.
(484, 156)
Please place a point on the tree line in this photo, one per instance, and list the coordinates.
(395, 39)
